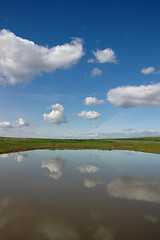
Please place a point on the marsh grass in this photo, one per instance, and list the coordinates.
(8, 145)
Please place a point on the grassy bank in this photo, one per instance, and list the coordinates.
(8, 145)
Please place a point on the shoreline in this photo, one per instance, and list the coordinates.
(148, 145)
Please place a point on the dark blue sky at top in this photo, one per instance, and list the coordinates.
(130, 28)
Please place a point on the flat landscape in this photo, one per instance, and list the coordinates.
(150, 144)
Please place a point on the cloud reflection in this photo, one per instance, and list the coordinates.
(88, 168)
(91, 183)
(4, 155)
(55, 167)
(18, 221)
(20, 157)
(135, 189)
(151, 218)
(104, 233)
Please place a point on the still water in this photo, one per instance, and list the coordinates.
(79, 195)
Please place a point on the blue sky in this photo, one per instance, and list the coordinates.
(79, 69)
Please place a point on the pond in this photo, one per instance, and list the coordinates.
(79, 195)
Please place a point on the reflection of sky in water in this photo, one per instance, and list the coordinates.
(18, 221)
(91, 182)
(99, 195)
(135, 189)
(88, 168)
(55, 167)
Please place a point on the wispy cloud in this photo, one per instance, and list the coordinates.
(96, 72)
(88, 168)
(90, 115)
(91, 183)
(122, 134)
(91, 60)
(148, 70)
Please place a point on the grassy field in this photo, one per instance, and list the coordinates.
(148, 139)
(8, 145)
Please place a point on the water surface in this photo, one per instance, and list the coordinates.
(79, 195)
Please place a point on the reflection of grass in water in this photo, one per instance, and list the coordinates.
(21, 144)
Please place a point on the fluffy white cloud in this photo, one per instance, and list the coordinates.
(21, 122)
(96, 72)
(56, 115)
(88, 168)
(90, 183)
(6, 124)
(106, 55)
(89, 115)
(92, 101)
(135, 189)
(132, 96)
(148, 70)
(21, 59)
(55, 167)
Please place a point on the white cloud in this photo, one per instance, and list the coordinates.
(92, 101)
(55, 167)
(132, 96)
(135, 189)
(56, 115)
(88, 168)
(6, 124)
(21, 59)
(21, 122)
(126, 134)
(148, 70)
(89, 115)
(96, 72)
(91, 183)
(91, 60)
(90, 135)
(106, 55)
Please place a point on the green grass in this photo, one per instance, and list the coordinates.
(150, 139)
(8, 145)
